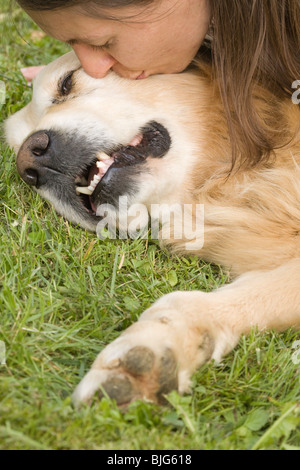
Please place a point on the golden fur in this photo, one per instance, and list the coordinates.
(252, 220)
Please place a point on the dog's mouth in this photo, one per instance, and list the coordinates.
(86, 184)
(152, 141)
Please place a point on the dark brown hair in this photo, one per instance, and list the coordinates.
(252, 40)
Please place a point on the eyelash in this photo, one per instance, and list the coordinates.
(101, 48)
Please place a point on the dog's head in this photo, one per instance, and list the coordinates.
(84, 142)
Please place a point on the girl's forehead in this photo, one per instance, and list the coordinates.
(65, 22)
(127, 11)
(123, 11)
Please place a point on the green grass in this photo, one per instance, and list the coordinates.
(64, 296)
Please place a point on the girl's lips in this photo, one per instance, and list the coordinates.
(142, 76)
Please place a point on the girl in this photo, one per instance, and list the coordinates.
(249, 40)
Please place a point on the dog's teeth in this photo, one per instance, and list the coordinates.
(84, 190)
(95, 181)
(88, 190)
(101, 165)
(102, 156)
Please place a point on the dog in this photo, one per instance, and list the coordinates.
(84, 143)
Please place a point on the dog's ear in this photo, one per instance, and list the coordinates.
(29, 73)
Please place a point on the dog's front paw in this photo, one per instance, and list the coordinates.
(136, 375)
(126, 371)
(156, 355)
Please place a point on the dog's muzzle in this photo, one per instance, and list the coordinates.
(84, 173)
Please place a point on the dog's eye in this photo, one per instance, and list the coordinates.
(66, 85)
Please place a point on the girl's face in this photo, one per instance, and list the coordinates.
(134, 41)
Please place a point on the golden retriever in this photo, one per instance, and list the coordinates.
(87, 144)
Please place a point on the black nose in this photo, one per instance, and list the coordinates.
(29, 163)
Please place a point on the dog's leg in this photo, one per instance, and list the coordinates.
(183, 330)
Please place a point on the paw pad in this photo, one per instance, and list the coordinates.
(140, 374)
(138, 360)
(118, 388)
(168, 379)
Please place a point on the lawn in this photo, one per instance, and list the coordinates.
(64, 295)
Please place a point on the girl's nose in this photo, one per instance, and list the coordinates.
(96, 63)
